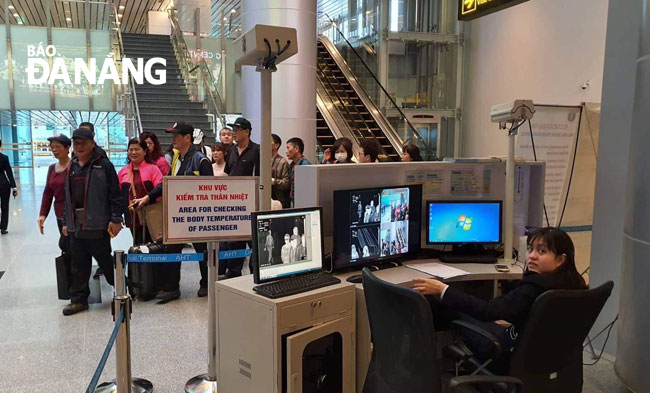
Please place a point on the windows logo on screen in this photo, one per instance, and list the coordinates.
(464, 222)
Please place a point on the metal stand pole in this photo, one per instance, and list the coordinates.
(122, 301)
(265, 143)
(510, 199)
(207, 383)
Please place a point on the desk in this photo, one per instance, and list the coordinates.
(254, 332)
(403, 275)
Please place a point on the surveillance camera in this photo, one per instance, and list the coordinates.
(513, 111)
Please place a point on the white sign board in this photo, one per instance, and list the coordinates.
(207, 209)
(555, 129)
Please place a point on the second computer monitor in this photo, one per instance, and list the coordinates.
(463, 222)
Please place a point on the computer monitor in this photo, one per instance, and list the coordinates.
(376, 224)
(463, 222)
(287, 243)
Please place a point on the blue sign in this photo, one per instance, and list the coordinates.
(163, 258)
(232, 254)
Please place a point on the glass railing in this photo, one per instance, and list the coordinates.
(361, 61)
(201, 84)
(127, 96)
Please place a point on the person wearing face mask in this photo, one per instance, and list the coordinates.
(550, 266)
(342, 152)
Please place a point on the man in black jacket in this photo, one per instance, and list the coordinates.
(7, 185)
(189, 162)
(92, 215)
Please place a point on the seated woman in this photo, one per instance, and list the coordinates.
(342, 152)
(550, 264)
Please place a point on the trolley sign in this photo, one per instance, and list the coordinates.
(208, 209)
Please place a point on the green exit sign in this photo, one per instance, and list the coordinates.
(472, 9)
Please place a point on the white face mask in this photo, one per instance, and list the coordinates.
(341, 157)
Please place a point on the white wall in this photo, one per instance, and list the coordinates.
(543, 50)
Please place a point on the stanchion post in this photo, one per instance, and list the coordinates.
(123, 383)
(207, 383)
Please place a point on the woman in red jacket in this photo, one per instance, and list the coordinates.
(55, 183)
(137, 179)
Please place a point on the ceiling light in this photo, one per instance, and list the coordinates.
(119, 15)
(11, 7)
(121, 7)
(16, 15)
(232, 11)
(68, 19)
(225, 19)
(20, 22)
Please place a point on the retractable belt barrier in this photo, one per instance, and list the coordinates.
(189, 257)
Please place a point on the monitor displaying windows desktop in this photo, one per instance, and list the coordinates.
(287, 243)
(463, 222)
(376, 224)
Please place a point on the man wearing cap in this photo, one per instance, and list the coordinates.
(189, 162)
(244, 160)
(92, 215)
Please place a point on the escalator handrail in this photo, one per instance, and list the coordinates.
(372, 74)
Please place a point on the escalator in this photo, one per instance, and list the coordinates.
(345, 109)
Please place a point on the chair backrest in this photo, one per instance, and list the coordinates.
(404, 357)
(549, 349)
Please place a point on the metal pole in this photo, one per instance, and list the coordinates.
(510, 198)
(265, 154)
(207, 383)
(123, 383)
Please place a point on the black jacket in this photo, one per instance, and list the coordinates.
(513, 306)
(246, 164)
(6, 174)
(103, 201)
(194, 163)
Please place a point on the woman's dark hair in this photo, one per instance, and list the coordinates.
(142, 144)
(371, 148)
(219, 147)
(157, 149)
(347, 145)
(413, 152)
(557, 241)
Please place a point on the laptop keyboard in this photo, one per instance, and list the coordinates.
(293, 285)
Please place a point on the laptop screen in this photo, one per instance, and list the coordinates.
(287, 243)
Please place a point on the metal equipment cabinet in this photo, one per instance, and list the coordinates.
(261, 341)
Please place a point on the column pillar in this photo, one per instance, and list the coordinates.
(294, 83)
(633, 340)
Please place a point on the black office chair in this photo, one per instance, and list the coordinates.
(547, 356)
(404, 357)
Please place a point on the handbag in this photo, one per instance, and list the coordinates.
(150, 215)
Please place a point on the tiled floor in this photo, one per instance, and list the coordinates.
(43, 351)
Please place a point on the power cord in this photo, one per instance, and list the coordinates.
(609, 330)
(532, 142)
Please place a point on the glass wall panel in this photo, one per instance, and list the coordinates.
(34, 96)
(70, 44)
(100, 42)
(4, 71)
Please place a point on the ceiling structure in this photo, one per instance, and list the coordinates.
(80, 14)
(69, 118)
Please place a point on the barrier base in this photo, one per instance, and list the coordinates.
(201, 384)
(138, 385)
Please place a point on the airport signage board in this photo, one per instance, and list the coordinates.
(472, 9)
(208, 208)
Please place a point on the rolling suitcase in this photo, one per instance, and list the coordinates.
(140, 281)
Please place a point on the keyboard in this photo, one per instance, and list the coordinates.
(476, 258)
(293, 285)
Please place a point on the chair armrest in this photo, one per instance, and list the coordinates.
(507, 384)
(458, 326)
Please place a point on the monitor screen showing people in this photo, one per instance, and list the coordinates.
(452, 222)
(374, 224)
(288, 243)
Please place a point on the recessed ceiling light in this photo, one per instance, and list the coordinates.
(11, 7)
(119, 15)
(20, 22)
(226, 19)
(16, 15)
(121, 7)
(232, 11)
(68, 19)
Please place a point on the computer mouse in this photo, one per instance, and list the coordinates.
(355, 279)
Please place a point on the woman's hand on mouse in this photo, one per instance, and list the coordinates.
(429, 286)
